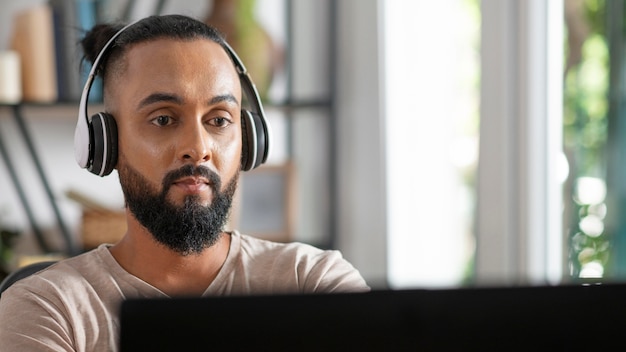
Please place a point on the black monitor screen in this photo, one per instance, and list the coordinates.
(520, 318)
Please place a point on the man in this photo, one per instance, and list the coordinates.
(175, 98)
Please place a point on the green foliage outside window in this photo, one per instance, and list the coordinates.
(585, 133)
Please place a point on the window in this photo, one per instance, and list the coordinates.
(431, 118)
(475, 159)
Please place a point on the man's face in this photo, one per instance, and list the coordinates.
(177, 106)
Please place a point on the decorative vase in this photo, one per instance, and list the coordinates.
(254, 46)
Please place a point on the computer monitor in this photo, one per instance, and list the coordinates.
(465, 319)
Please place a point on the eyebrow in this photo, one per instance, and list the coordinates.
(159, 97)
(167, 97)
(224, 97)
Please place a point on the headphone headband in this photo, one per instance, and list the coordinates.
(251, 92)
(81, 133)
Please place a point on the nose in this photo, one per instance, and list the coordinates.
(195, 144)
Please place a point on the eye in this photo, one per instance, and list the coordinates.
(162, 120)
(219, 122)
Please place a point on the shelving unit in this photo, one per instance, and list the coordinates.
(289, 107)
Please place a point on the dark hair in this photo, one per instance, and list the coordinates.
(147, 29)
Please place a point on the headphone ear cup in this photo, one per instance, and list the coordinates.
(248, 141)
(103, 142)
(254, 136)
(262, 139)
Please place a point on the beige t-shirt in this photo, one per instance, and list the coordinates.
(74, 304)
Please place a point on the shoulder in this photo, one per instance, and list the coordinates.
(60, 303)
(295, 252)
(78, 276)
(315, 269)
(257, 245)
(82, 266)
(68, 286)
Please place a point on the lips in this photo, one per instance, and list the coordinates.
(192, 180)
(192, 184)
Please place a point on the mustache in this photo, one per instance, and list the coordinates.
(215, 182)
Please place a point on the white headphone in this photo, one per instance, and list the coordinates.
(95, 136)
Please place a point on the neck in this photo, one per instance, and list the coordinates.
(169, 271)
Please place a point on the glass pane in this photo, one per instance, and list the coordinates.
(585, 137)
(431, 115)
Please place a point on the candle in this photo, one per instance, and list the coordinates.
(10, 78)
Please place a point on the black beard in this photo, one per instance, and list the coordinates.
(185, 229)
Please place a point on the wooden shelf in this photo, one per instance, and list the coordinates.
(60, 111)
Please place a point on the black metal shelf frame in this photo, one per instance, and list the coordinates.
(71, 247)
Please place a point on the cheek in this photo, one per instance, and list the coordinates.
(140, 152)
(230, 157)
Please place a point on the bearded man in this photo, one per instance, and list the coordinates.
(175, 130)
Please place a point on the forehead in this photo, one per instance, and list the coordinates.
(165, 61)
(199, 51)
